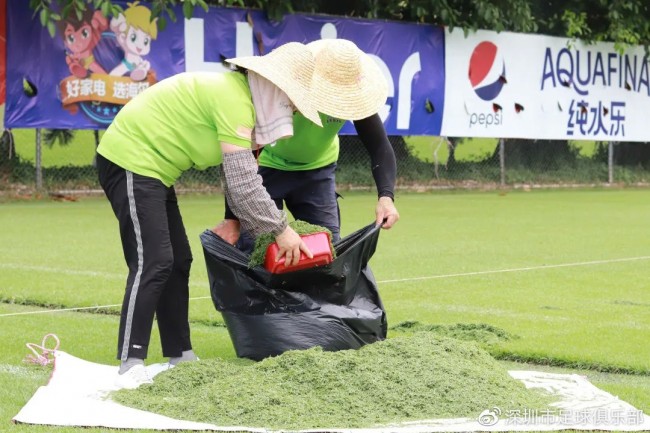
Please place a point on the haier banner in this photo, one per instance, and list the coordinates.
(3, 50)
(539, 87)
(93, 66)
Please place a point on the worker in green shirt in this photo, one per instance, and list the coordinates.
(299, 171)
(193, 120)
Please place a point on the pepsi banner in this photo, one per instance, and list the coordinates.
(508, 85)
(93, 66)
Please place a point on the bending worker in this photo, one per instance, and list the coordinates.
(299, 171)
(192, 120)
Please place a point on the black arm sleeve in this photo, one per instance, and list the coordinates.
(229, 214)
(382, 157)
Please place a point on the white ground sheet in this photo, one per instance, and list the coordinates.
(76, 395)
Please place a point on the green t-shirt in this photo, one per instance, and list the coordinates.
(309, 148)
(179, 123)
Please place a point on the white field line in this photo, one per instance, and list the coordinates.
(107, 275)
(399, 280)
(529, 268)
(94, 307)
(19, 267)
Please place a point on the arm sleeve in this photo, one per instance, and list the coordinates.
(229, 214)
(246, 194)
(382, 157)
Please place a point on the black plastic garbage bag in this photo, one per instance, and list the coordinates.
(336, 306)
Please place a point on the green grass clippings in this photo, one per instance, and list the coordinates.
(482, 333)
(263, 241)
(423, 376)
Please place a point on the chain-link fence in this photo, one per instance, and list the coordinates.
(29, 164)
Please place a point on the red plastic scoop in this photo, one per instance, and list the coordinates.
(318, 244)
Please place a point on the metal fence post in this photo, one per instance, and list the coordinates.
(37, 162)
(610, 162)
(96, 135)
(502, 160)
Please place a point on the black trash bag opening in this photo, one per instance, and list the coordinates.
(335, 306)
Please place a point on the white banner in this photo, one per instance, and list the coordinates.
(508, 85)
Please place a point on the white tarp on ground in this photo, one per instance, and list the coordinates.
(76, 395)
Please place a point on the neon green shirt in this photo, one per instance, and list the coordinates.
(179, 123)
(309, 148)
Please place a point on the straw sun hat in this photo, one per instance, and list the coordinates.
(290, 67)
(347, 83)
(331, 76)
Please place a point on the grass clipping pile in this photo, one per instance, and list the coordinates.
(423, 376)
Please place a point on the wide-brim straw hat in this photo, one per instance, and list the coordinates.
(347, 83)
(290, 67)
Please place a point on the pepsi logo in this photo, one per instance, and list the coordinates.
(487, 71)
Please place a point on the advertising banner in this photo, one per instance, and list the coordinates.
(509, 85)
(93, 66)
(3, 49)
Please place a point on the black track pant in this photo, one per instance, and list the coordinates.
(158, 255)
(310, 196)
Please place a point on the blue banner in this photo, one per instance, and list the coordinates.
(82, 77)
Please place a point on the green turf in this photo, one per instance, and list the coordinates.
(453, 258)
(69, 254)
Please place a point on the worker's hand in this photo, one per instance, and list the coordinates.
(290, 245)
(386, 210)
(228, 230)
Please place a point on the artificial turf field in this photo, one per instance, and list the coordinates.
(565, 273)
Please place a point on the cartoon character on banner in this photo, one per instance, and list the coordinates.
(134, 30)
(92, 50)
(80, 37)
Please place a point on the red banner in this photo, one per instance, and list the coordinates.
(3, 49)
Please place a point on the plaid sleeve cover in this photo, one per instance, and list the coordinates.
(247, 196)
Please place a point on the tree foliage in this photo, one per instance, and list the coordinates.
(61, 136)
(625, 22)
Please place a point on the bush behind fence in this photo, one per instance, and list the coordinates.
(422, 162)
